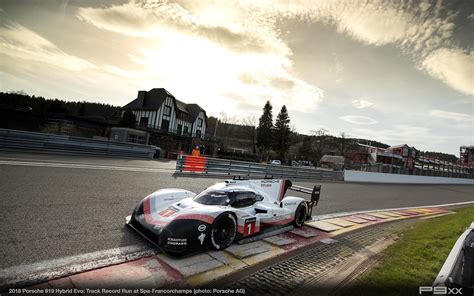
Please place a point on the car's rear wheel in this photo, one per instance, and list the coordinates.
(223, 231)
(300, 215)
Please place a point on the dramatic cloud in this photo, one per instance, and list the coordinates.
(157, 19)
(454, 116)
(387, 59)
(453, 67)
(401, 134)
(19, 42)
(360, 104)
(360, 120)
(241, 57)
(414, 26)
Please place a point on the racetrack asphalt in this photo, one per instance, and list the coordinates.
(50, 212)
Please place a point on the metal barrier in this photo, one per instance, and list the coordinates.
(50, 143)
(458, 269)
(205, 165)
(450, 172)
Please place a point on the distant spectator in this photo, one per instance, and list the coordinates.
(196, 152)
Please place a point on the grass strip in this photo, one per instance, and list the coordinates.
(416, 258)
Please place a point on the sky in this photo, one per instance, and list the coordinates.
(392, 71)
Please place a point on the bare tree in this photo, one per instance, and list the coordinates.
(319, 144)
(225, 118)
(319, 132)
(342, 143)
(252, 121)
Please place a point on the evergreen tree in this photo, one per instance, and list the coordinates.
(82, 109)
(57, 106)
(282, 133)
(128, 119)
(264, 129)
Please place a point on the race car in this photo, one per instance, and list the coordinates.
(181, 222)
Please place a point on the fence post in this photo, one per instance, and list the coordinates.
(180, 162)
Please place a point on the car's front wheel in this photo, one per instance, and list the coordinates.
(223, 231)
(300, 215)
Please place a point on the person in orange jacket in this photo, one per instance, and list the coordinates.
(196, 152)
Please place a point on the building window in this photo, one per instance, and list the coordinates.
(198, 133)
(144, 121)
(165, 125)
(180, 129)
(186, 131)
(167, 111)
(199, 122)
(136, 139)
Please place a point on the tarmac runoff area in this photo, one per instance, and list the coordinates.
(157, 273)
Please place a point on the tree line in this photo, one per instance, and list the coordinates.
(276, 139)
(40, 106)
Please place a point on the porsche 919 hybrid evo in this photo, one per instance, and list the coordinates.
(180, 222)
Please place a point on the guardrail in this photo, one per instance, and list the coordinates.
(458, 269)
(206, 165)
(31, 141)
(432, 171)
(369, 177)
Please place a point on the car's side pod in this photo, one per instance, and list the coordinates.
(315, 195)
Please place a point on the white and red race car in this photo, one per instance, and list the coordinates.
(182, 222)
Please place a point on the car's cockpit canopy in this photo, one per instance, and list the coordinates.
(237, 198)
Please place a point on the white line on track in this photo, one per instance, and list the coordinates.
(84, 166)
(30, 274)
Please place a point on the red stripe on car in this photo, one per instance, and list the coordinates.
(205, 218)
(281, 222)
(147, 213)
(168, 212)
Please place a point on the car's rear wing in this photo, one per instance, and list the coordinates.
(315, 194)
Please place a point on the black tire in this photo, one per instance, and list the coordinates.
(223, 231)
(300, 215)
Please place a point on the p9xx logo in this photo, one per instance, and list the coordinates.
(440, 290)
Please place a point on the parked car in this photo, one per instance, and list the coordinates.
(275, 162)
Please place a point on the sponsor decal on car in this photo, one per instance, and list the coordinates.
(270, 181)
(202, 227)
(250, 226)
(201, 238)
(177, 241)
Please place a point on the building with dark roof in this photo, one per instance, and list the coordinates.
(160, 110)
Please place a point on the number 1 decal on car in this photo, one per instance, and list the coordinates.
(250, 226)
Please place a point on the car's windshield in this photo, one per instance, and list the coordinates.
(213, 197)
